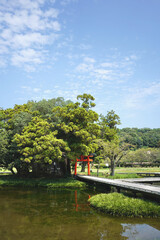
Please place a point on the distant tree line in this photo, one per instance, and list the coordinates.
(140, 138)
(143, 157)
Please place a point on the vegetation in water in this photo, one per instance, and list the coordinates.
(41, 182)
(117, 204)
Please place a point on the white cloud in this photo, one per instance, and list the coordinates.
(26, 55)
(143, 97)
(133, 57)
(27, 88)
(30, 39)
(109, 64)
(89, 60)
(27, 58)
(48, 91)
(36, 90)
(83, 46)
(84, 67)
(2, 62)
(100, 71)
(66, 2)
(27, 25)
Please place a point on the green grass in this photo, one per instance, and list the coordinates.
(116, 176)
(117, 204)
(136, 169)
(123, 176)
(41, 182)
(126, 172)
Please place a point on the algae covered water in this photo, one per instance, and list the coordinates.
(65, 215)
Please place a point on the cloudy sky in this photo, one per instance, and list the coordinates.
(62, 48)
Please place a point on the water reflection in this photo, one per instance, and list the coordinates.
(140, 231)
(80, 207)
(64, 215)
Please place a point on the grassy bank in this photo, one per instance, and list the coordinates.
(120, 172)
(9, 180)
(117, 204)
(116, 176)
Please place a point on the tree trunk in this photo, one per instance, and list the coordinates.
(22, 171)
(112, 167)
(65, 167)
(98, 170)
(39, 170)
(83, 167)
(68, 167)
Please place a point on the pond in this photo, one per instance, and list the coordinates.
(65, 215)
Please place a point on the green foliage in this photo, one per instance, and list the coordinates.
(46, 183)
(87, 101)
(109, 147)
(44, 107)
(108, 126)
(112, 152)
(3, 147)
(144, 137)
(78, 127)
(13, 121)
(58, 130)
(143, 156)
(117, 204)
(38, 143)
(111, 119)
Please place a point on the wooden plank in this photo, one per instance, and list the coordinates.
(142, 180)
(138, 187)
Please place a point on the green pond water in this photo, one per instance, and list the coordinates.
(27, 214)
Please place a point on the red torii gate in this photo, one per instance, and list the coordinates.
(83, 159)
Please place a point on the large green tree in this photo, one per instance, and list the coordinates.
(111, 152)
(109, 146)
(78, 126)
(111, 119)
(39, 146)
(14, 120)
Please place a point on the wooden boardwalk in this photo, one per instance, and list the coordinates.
(143, 180)
(153, 191)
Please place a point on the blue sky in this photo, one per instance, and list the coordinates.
(62, 48)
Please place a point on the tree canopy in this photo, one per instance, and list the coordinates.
(37, 136)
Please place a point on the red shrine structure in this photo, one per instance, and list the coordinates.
(83, 159)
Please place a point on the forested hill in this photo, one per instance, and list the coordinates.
(144, 137)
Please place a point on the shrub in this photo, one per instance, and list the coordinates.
(117, 204)
(101, 166)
